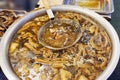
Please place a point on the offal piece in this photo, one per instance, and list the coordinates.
(7, 17)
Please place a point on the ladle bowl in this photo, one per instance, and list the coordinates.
(75, 27)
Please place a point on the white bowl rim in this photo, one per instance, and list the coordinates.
(4, 61)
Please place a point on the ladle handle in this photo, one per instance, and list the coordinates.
(48, 9)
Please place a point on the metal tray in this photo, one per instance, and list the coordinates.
(106, 8)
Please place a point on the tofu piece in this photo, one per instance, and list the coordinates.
(57, 77)
(82, 77)
(65, 75)
(13, 47)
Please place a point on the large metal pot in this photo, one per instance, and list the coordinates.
(4, 60)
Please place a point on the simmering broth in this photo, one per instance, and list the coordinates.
(60, 33)
(85, 60)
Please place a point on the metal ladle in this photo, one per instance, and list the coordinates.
(73, 23)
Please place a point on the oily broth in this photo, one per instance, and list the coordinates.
(60, 33)
(85, 60)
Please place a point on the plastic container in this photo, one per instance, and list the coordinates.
(100, 6)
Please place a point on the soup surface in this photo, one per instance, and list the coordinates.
(85, 60)
(60, 33)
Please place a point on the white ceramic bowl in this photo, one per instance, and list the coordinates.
(4, 60)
